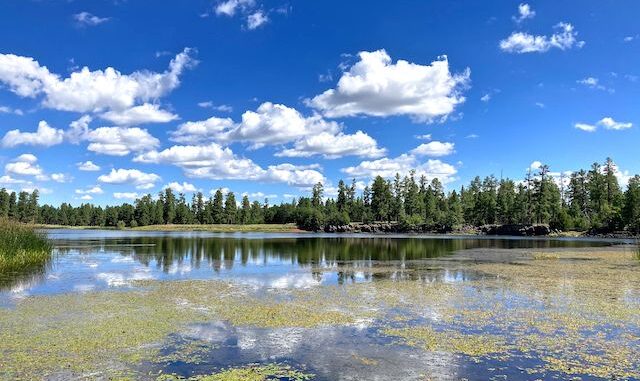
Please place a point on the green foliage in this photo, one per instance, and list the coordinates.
(120, 225)
(310, 219)
(21, 247)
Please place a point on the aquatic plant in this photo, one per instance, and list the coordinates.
(248, 373)
(22, 248)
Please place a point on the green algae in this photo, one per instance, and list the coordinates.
(248, 373)
(578, 316)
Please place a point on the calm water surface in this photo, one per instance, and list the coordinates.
(88, 260)
(92, 260)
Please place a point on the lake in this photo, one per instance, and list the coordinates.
(160, 305)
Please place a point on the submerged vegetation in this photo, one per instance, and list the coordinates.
(248, 373)
(527, 308)
(587, 200)
(21, 247)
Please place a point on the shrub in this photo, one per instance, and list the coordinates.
(121, 225)
(310, 219)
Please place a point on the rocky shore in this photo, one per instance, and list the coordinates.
(393, 227)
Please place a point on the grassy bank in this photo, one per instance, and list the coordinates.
(21, 247)
(259, 228)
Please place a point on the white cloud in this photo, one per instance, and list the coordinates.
(216, 162)
(607, 123)
(535, 165)
(230, 7)
(333, 146)
(202, 131)
(145, 113)
(125, 195)
(26, 165)
(434, 149)
(424, 137)
(378, 87)
(78, 129)
(45, 135)
(181, 188)
(120, 141)
(60, 178)
(8, 180)
(524, 12)
(9, 110)
(87, 19)
(86, 197)
(611, 124)
(211, 105)
(93, 190)
(486, 98)
(88, 166)
(135, 177)
(403, 164)
(90, 91)
(585, 127)
(277, 124)
(594, 83)
(256, 19)
(564, 38)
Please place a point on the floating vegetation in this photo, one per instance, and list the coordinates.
(454, 342)
(248, 373)
(576, 315)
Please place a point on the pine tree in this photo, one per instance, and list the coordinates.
(230, 209)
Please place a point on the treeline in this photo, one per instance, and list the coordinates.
(591, 199)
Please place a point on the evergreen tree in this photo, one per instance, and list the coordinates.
(218, 208)
(230, 209)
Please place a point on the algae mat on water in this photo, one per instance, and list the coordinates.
(574, 313)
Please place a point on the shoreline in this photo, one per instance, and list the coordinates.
(291, 228)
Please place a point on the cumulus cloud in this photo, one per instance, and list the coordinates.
(145, 113)
(335, 146)
(125, 195)
(93, 190)
(135, 177)
(45, 136)
(60, 177)
(202, 131)
(256, 19)
(120, 141)
(211, 105)
(88, 166)
(610, 124)
(88, 19)
(606, 123)
(78, 129)
(9, 110)
(89, 91)
(276, 124)
(26, 165)
(434, 149)
(181, 188)
(585, 127)
(403, 164)
(230, 7)
(524, 12)
(376, 86)
(564, 38)
(217, 163)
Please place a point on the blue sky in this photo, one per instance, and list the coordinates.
(104, 100)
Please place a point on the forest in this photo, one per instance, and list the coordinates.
(588, 200)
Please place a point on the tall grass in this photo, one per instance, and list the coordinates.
(636, 253)
(22, 248)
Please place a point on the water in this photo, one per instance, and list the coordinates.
(90, 260)
(488, 308)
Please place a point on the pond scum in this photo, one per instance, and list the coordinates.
(575, 313)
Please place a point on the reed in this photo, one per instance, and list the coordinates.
(22, 247)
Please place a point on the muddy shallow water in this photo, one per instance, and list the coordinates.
(144, 305)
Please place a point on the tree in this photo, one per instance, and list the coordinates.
(169, 201)
(245, 213)
(381, 199)
(230, 209)
(506, 202)
(316, 195)
(631, 210)
(217, 208)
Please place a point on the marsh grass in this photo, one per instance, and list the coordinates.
(22, 248)
(636, 252)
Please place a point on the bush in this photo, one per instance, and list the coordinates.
(134, 224)
(337, 218)
(410, 222)
(121, 225)
(310, 219)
